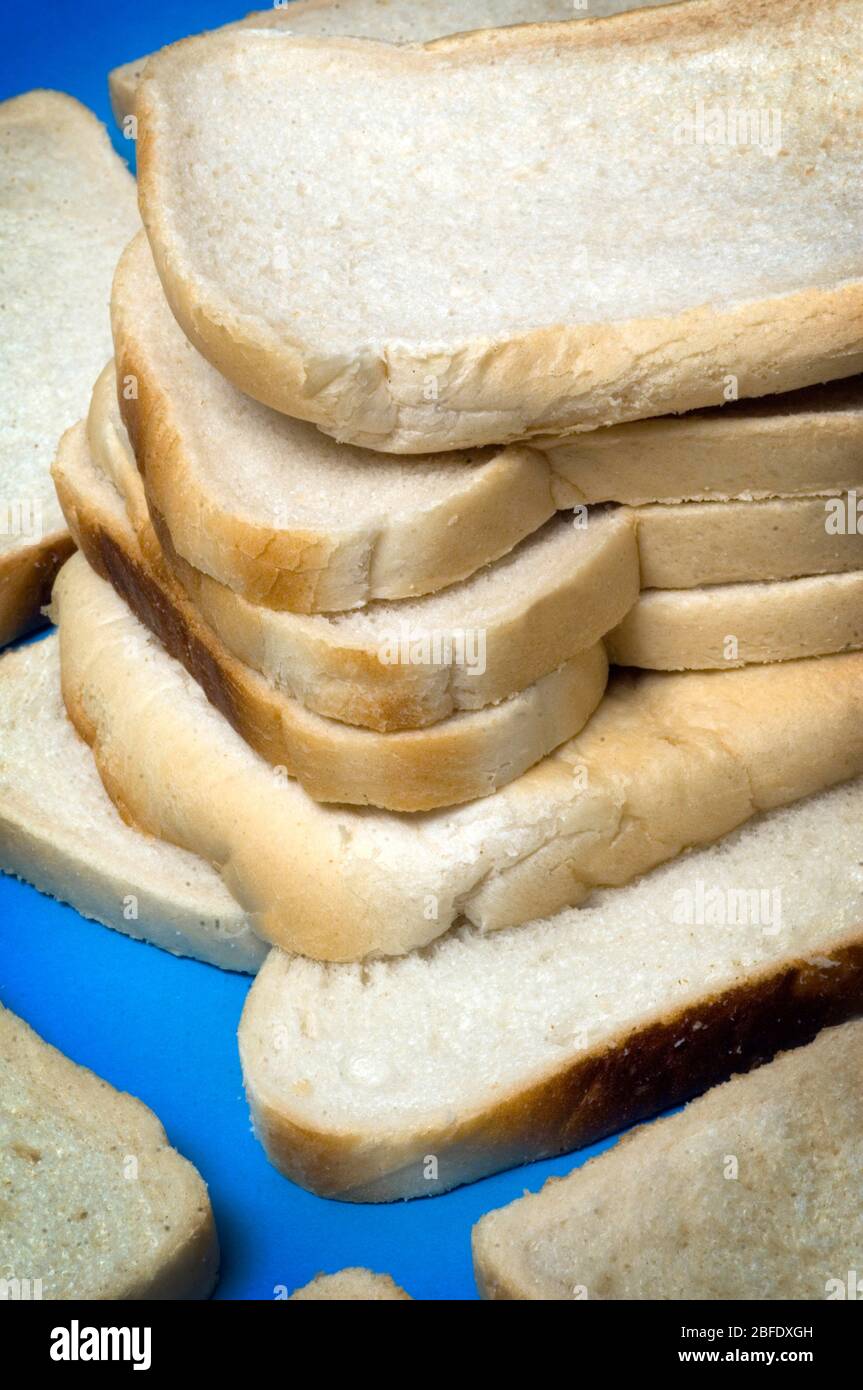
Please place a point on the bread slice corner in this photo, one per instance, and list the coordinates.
(97, 1205)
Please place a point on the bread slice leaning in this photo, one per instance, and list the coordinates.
(97, 1205)
(386, 341)
(362, 1087)
(753, 1192)
(667, 762)
(60, 832)
(396, 21)
(351, 1285)
(726, 625)
(408, 664)
(800, 443)
(67, 207)
(457, 759)
(279, 512)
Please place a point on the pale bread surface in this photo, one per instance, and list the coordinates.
(60, 832)
(67, 208)
(351, 1285)
(73, 1217)
(385, 342)
(751, 1193)
(396, 21)
(489, 1050)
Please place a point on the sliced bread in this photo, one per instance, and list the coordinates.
(279, 512)
(753, 1192)
(397, 21)
(67, 208)
(96, 1203)
(409, 664)
(736, 624)
(468, 755)
(475, 274)
(802, 443)
(405, 1078)
(60, 832)
(667, 762)
(687, 544)
(351, 1285)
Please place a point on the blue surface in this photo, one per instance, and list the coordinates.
(162, 1028)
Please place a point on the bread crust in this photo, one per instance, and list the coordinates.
(176, 1260)
(457, 760)
(555, 379)
(339, 674)
(332, 568)
(181, 912)
(665, 764)
(690, 629)
(641, 1073)
(804, 443)
(689, 545)
(794, 1127)
(26, 579)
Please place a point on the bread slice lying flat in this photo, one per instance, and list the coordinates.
(507, 261)
(351, 1285)
(683, 545)
(801, 443)
(409, 664)
(60, 832)
(736, 624)
(665, 763)
(405, 1078)
(67, 207)
(96, 1204)
(397, 21)
(753, 1192)
(457, 759)
(281, 513)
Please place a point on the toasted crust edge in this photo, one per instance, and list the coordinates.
(26, 578)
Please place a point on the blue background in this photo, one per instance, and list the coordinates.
(163, 1028)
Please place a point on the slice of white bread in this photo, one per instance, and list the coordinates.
(67, 208)
(397, 21)
(801, 443)
(684, 545)
(736, 624)
(281, 513)
(60, 832)
(405, 1078)
(465, 756)
(409, 664)
(96, 1203)
(667, 762)
(351, 1285)
(752, 1192)
(409, 285)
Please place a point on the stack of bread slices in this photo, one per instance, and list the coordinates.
(471, 569)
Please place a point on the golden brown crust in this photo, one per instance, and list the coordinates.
(291, 567)
(453, 761)
(26, 579)
(640, 1074)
